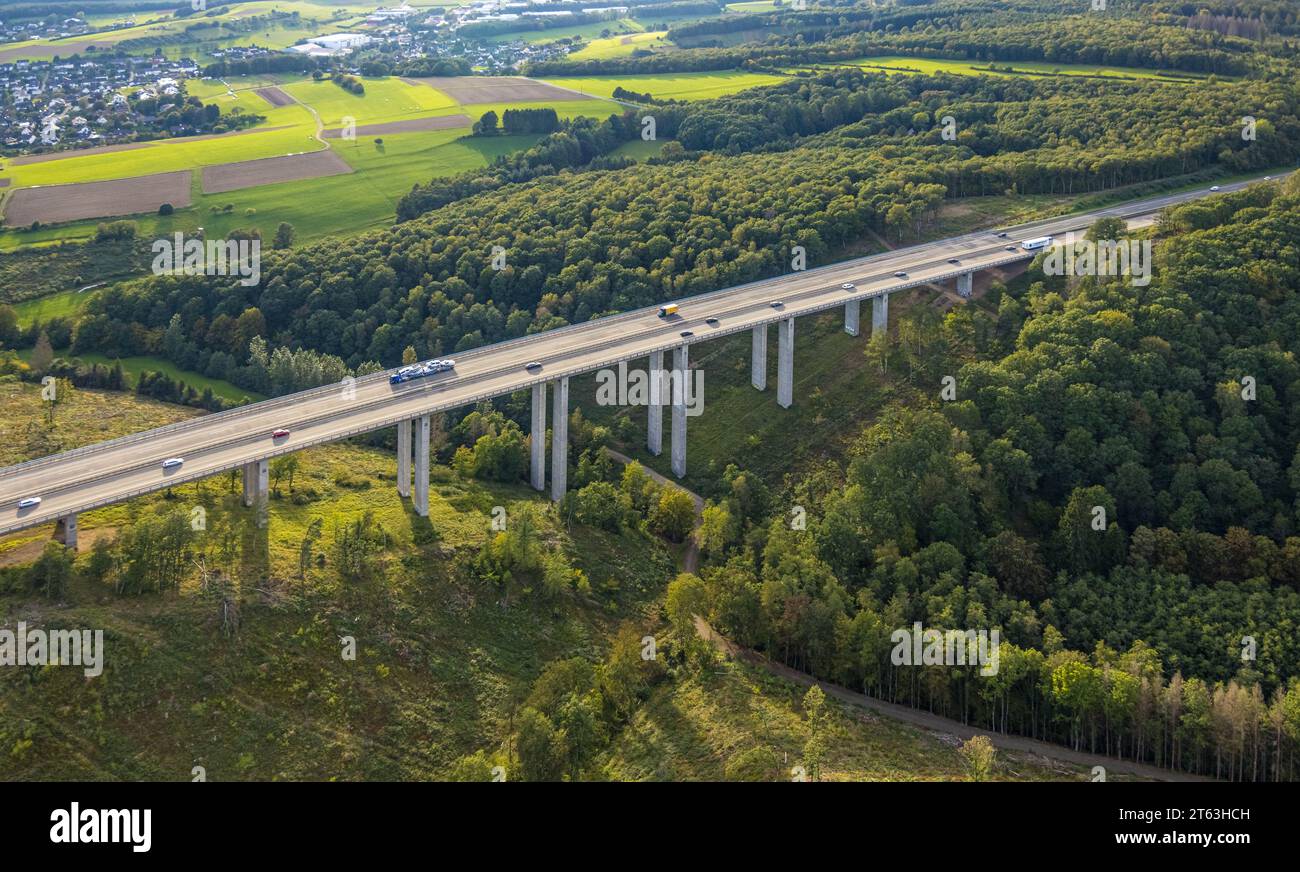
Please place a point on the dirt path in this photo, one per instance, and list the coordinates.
(691, 557)
(30, 551)
(935, 723)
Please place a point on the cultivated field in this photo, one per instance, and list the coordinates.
(97, 199)
(274, 96)
(271, 170)
(476, 90)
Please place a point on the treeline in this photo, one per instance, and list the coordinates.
(678, 9)
(160, 386)
(1083, 39)
(541, 120)
(487, 28)
(288, 62)
(576, 143)
(348, 83)
(1252, 19)
(419, 67)
(586, 244)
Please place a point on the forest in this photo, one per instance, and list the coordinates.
(1113, 483)
(813, 162)
(1168, 636)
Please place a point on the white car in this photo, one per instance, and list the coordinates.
(847, 286)
(173, 462)
(1214, 187)
(29, 502)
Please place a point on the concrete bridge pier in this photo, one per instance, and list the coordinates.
(256, 481)
(964, 282)
(654, 440)
(422, 466)
(560, 439)
(65, 531)
(879, 314)
(404, 458)
(852, 312)
(681, 377)
(537, 434)
(758, 366)
(257, 487)
(785, 363)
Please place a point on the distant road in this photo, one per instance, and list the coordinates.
(108, 472)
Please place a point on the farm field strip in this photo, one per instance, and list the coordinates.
(411, 125)
(57, 203)
(681, 86)
(222, 178)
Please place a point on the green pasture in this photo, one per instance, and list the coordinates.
(619, 46)
(677, 86)
(133, 366)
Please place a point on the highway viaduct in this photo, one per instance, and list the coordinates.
(85, 478)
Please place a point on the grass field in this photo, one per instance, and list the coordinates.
(677, 86)
(752, 6)
(133, 366)
(442, 659)
(442, 662)
(62, 305)
(179, 154)
(385, 99)
(619, 46)
(898, 63)
(639, 149)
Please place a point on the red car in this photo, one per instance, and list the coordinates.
(280, 434)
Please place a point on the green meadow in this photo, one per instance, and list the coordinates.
(386, 99)
(903, 64)
(62, 305)
(133, 366)
(677, 86)
(618, 46)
